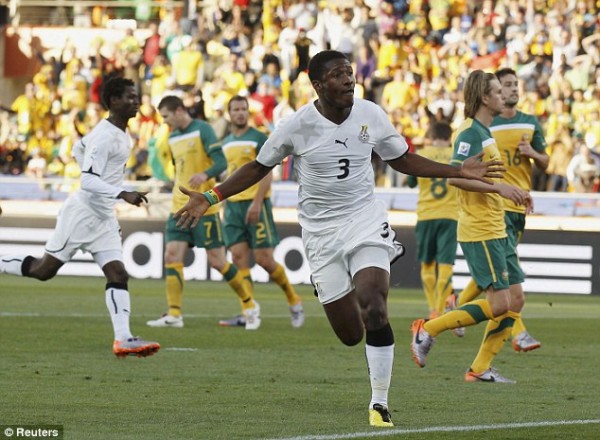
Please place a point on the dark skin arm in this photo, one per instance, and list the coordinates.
(133, 197)
(410, 163)
(197, 205)
(472, 168)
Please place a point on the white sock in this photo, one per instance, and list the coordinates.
(380, 361)
(119, 306)
(12, 264)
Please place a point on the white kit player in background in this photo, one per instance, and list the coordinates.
(87, 220)
(346, 235)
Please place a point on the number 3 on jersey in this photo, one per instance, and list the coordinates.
(345, 167)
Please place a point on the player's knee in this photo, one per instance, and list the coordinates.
(517, 303)
(499, 308)
(266, 262)
(171, 258)
(352, 338)
(376, 316)
(121, 276)
(116, 274)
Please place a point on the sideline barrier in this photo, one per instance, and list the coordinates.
(555, 261)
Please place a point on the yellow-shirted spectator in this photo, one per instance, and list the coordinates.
(71, 174)
(579, 109)
(160, 72)
(559, 120)
(388, 54)
(129, 44)
(23, 106)
(439, 17)
(146, 122)
(458, 7)
(269, 22)
(303, 90)
(400, 92)
(188, 65)
(55, 168)
(234, 82)
(534, 104)
(73, 86)
(592, 127)
(41, 142)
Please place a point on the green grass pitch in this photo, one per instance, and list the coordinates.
(209, 382)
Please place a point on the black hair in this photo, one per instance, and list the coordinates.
(505, 71)
(171, 103)
(316, 65)
(114, 87)
(440, 130)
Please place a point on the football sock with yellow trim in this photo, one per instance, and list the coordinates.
(428, 281)
(518, 327)
(249, 287)
(463, 316)
(469, 293)
(281, 279)
(239, 284)
(443, 286)
(174, 286)
(496, 333)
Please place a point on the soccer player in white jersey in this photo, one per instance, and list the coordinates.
(87, 220)
(346, 235)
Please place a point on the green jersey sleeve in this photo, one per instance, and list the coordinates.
(468, 143)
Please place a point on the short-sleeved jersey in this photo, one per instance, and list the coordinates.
(332, 162)
(481, 215)
(437, 199)
(190, 149)
(508, 133)
(187, 63)
(240, 150)
(103, 152)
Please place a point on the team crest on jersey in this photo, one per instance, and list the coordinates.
(363, 135)
(464, 148)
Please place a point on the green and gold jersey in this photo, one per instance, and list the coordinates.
(190, 148)
(481, 215)
(240, 150)
(437, 199)
(508, 133)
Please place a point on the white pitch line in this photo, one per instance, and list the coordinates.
(102, 315)
(180, 349)
(389, 432)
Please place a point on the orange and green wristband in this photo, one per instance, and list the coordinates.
(213, 196)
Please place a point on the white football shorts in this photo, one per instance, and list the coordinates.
(335, 256)
(78, 228)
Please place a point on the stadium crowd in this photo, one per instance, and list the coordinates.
(410, 57)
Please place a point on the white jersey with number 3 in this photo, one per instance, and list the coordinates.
(333, 162)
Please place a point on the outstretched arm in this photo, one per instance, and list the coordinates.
(472, 168)
(198, 203)
(510, 192)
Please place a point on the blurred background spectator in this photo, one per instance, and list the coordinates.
(409, 57)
